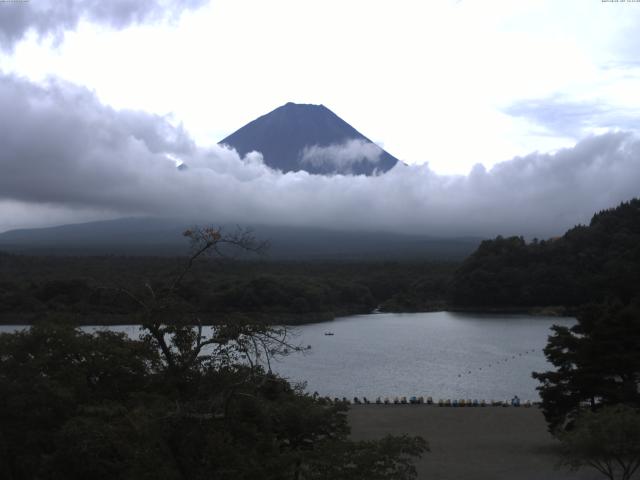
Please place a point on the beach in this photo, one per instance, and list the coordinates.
(492, 443)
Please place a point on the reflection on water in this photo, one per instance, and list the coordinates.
(441, 354)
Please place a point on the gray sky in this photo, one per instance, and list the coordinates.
(99, 99)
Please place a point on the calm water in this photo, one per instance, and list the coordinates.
(440, 354)
(445, 355)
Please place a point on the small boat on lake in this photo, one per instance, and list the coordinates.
(328, 333)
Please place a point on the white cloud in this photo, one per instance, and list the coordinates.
(341, 157)
(67, 154)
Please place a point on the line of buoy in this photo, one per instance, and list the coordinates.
(514, 402)
(505, 360)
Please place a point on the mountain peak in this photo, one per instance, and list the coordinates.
(298, 136)
(302, 105)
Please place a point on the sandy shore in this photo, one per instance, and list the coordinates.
(491, 443)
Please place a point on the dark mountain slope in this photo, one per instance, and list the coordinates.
(283, 134)
(154, 236)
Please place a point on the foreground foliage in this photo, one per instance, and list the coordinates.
(597, 363)
(75, 405)
(181, 402)
(607, 440)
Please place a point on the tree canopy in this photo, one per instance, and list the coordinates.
(607, 440)
(587, 264)
(597, 363)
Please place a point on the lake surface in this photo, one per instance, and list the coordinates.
(438, 354)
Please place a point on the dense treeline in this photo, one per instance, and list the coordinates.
(587, 264)
(88, 288)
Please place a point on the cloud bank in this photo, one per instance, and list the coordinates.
(54, 17)
(66, 157)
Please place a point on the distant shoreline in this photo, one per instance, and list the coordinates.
(548, 311)
(280, 318)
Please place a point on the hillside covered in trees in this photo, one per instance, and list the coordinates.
(587, 264)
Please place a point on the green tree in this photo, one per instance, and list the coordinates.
(49, 374)
(597, 363)
(607, 440)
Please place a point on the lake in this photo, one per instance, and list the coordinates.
(438, 354)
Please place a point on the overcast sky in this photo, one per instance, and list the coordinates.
(514, 117)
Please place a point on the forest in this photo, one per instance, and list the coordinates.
(88, 289)
(589, 263)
